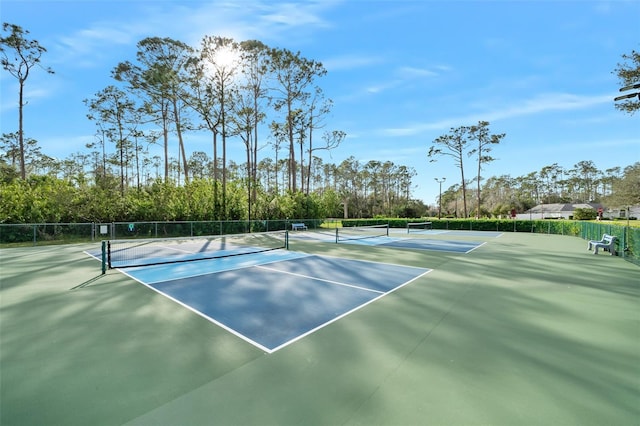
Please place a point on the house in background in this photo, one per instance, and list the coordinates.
(565, 211)
(633, 213)
(556, 211)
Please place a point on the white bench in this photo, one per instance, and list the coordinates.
(298, 227)
(607, 243)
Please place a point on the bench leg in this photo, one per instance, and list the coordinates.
(611, 250)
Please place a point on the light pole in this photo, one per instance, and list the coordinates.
(440, 197)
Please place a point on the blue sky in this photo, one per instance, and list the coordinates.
(400, 73)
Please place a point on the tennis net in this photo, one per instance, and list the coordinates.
(417, 226)
(360, 232)
(158, 251)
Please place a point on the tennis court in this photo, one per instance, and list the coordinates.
(272, 300)
(250, 286)
(526, 329)
(451, 246)
(481, 234)
(383, 236)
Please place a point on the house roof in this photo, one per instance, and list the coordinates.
(559, 208)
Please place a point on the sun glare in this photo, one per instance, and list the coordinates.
(226, 57)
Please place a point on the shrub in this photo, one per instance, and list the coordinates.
(584, 214)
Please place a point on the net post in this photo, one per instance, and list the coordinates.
(109, 254)
(337, 238)
(387, 229)
(104, 257)
(286, 240)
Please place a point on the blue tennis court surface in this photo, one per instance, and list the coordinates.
(399, 238)
(418, 244)
(435, 245)
(485, 234)
(273, 299)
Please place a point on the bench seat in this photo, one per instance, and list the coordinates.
(298, 227)
(607, 243)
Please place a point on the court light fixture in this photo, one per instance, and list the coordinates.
(627, 96)
(629, 87)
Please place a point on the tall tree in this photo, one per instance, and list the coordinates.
(159, 76)
(220, 64)
(586, 174)
(485, 141)
(204, 101)
(243, 125)
(318, 109)
(255, 65)
(117, 117)
(293, 74)
(10, 144)
(454, 145)
(278, 134)
(19, 56)
(626, 190)
(628, 73)
(551, 177)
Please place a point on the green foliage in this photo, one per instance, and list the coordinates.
(584, 214)
(7, 173)
(44, 199)
(411, 209)
(331, 204)
(628, 73)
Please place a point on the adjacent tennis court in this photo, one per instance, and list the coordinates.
(525, 329)
(383, 236)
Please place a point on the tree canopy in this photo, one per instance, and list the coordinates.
(628, 72)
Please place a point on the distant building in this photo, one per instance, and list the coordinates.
(565, 211)
(634, 212)
(556, 211)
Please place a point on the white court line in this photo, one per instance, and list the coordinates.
(478, 246)
(320, 279)
(265, 349)
(356, 308)
(202, 314)
(234, 266)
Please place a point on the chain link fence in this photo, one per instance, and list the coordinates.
(12, 235)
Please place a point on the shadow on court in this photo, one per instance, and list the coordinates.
(526, 329)
(271, 303)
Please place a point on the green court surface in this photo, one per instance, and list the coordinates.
(528, 329)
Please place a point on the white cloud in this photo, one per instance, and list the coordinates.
(542, 103)
(382, 87)
(290, 14)
(413, 72)
(189, 22)
(602, 7)
(349, 62)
